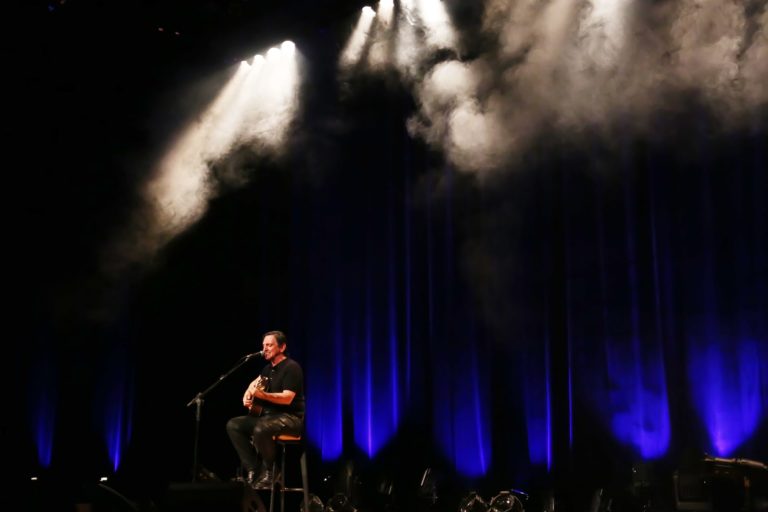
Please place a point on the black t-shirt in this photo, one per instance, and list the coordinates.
(287, 374)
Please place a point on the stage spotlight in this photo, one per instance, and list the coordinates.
(315, 504)
(472, 502)
(288, 48)
(505, 501)
(339, 503)
(273, 53)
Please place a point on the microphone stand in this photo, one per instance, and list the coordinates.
(198, 401)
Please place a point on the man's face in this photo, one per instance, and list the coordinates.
(271, 348)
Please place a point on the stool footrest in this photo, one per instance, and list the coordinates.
(291, 489)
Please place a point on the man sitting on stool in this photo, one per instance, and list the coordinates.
(275, 400)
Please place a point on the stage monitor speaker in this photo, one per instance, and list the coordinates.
(102, 498)
(210, 496)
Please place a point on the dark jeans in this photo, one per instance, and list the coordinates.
(252, 436)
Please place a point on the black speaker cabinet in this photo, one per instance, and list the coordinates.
(207, 496)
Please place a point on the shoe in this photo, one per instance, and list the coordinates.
(265, 482)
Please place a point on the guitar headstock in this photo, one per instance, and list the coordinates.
(262, 383)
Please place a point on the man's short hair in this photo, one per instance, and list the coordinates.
(279, 336)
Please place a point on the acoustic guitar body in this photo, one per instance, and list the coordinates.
(261, 384)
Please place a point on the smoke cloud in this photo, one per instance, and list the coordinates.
(560, 67)
(255, 109)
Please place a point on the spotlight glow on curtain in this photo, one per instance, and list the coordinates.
(462, 423)
(118, 405)
(637, 400)
(619, 328)
(376, 395)
(43, 397)
(118, 429)
(324, 384)
(725, 382)
(374, 418)
(538, 408)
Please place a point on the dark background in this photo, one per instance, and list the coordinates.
(637, 245)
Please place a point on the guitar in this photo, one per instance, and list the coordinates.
(261, 384)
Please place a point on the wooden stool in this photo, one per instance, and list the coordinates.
(284, 441)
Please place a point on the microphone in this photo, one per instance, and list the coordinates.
(255, 354)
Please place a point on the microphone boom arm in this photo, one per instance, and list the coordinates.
(198, 401)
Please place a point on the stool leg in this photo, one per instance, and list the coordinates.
(282, 482)
(272, 490)
(304, 479)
